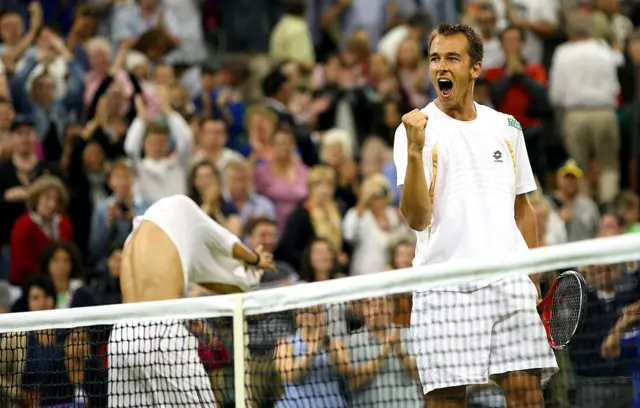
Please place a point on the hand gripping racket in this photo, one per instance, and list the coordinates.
(563, 308)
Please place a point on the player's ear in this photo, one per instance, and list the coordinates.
(476, 70)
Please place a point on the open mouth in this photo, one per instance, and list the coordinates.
(446, 88)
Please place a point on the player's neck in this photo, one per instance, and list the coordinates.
(465, 112)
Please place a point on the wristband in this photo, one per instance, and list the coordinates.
(257, 262)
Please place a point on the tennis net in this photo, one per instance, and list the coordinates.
(343, 343)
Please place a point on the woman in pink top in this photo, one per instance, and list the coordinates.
(282, 179)
(100, 62)
(103, 65)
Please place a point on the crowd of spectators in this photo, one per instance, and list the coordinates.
(277, 118)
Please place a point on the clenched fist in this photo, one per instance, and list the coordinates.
(415, 123)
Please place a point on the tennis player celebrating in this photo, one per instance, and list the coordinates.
(465, 172)
(172, 244)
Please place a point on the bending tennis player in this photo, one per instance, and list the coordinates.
(156, 364)
(464, 173)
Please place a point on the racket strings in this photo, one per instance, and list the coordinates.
(565, 310)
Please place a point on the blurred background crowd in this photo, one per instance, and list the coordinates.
(277, 117)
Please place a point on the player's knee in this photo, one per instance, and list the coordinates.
(450, 396)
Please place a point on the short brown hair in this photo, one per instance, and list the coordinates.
(254, 223)
(238, 165)
(627, 199)
(192, 191)
(157, 127)
(44, 184)
(260, 110)
(121, 164)
(476, 49)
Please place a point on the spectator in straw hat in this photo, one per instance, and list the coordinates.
(42, 224)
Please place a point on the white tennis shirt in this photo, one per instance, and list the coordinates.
(205, 247)
(474, 171)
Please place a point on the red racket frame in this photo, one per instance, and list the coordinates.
(546, 305)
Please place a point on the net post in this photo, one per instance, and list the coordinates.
(239, 351)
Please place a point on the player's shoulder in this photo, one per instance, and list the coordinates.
(431, 110)
(499, 118)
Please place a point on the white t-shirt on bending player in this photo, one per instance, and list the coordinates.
(205, 247)
(474, 171)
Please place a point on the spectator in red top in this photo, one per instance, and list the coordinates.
(42, 224)
(519, 89)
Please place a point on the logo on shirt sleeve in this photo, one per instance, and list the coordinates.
(497, 156)
(514, 123)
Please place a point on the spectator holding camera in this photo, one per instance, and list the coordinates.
(112, 219)
(372, 226)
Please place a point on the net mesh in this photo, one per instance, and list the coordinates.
(359, 342)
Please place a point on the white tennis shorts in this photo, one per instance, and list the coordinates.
(156, 365)
(463, 338)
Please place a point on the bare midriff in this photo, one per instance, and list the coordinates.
(151, 266)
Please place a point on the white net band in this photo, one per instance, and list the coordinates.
(601, 251)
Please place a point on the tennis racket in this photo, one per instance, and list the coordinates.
(563, 308)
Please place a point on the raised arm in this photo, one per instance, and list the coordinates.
(179, 128)
(350, 225)
(135, 134)
(19, 94)
(35, 24)
(415, 202)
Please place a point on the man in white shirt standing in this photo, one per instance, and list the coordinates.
(465, 173)
(588, 98)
